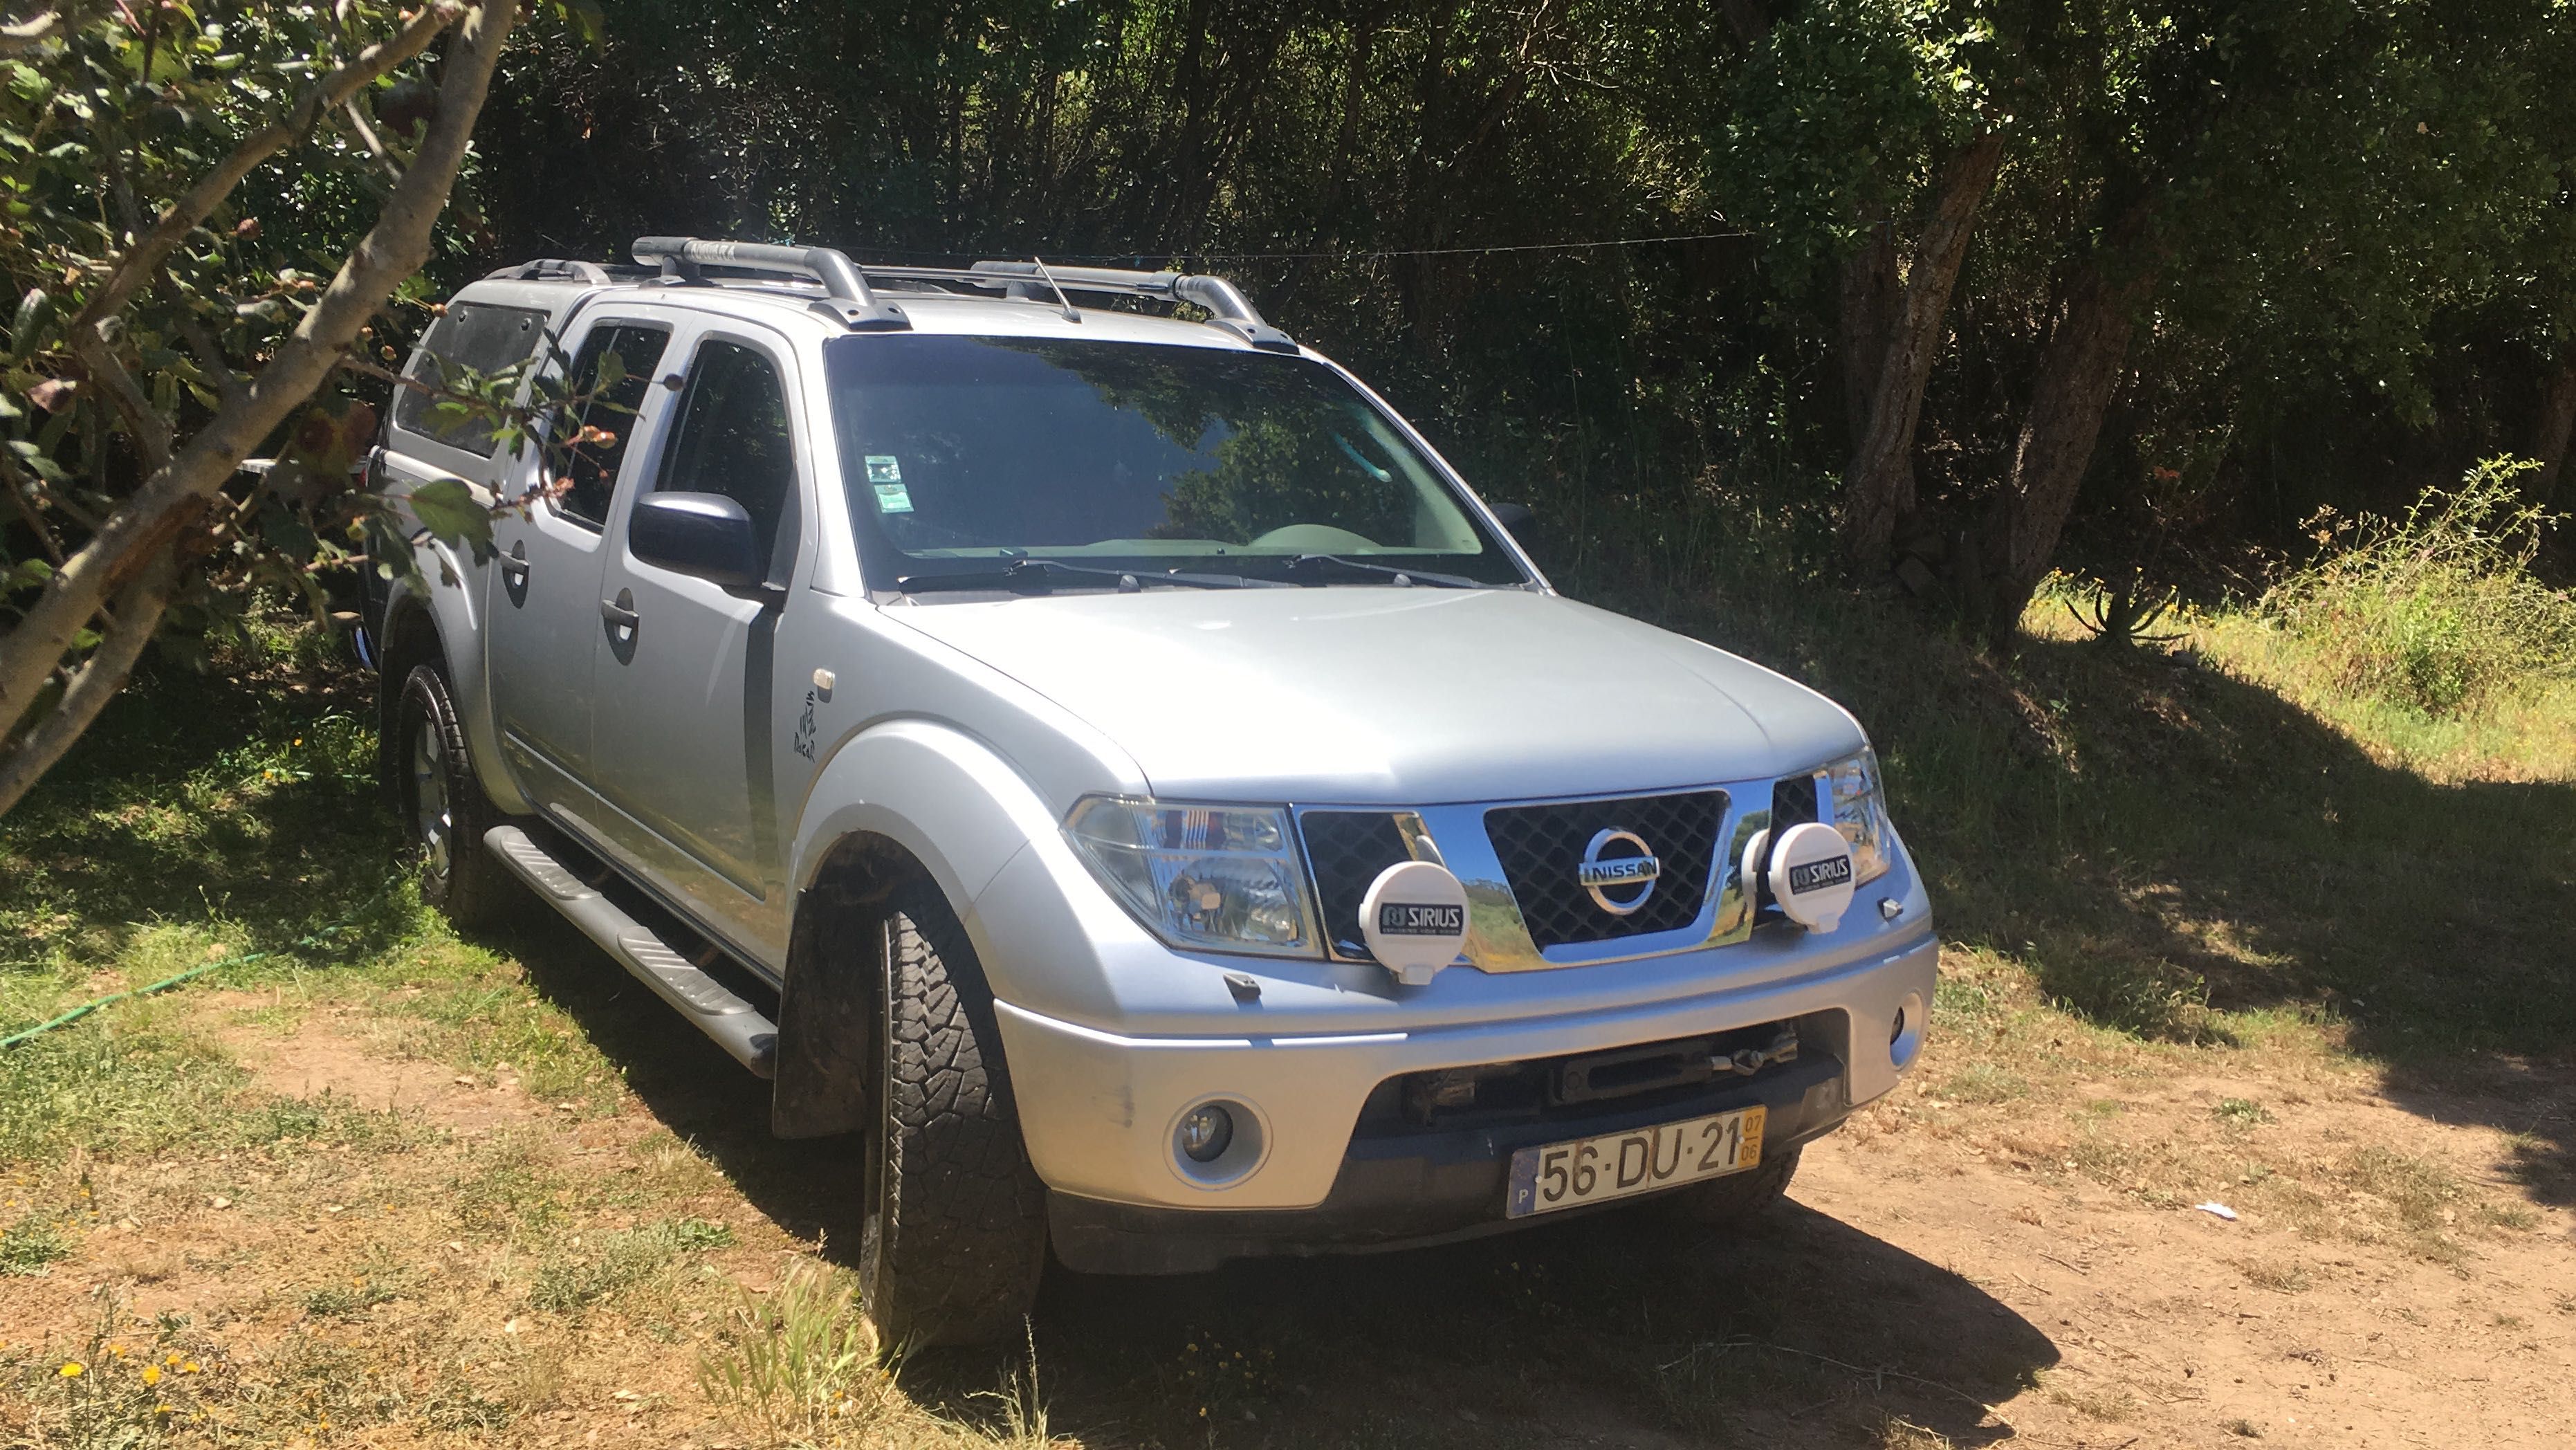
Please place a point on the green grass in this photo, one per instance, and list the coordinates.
(2143, 863)
(581, 1275)
(31, 1244)
(2200, 844)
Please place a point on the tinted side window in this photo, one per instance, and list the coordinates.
(592, 466)
(734, 440)
(472, 338)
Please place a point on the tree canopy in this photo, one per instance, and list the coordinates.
(1948, 293)
(2168, 272)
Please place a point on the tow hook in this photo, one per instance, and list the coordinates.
(1746, 1061)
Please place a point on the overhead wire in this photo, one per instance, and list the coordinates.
(1356, 254)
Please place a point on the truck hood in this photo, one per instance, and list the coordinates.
(1367, 695)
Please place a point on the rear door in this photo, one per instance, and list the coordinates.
(544, 608)
(682, 699)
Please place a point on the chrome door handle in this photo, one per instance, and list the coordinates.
(514, 564)
(619, 611)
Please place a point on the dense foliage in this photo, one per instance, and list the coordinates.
(1948, 292)
(204, 209)
(2437, 610)
(2226, 262)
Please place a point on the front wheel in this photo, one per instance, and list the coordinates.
(954, 1238)
(443, 806)
(1733, 1200)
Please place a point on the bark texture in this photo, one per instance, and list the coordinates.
(1871, 293)
(132, 559)
(1878, 487)
(2079, 371)
(2553, 430)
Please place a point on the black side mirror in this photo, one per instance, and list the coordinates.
(1517, 518)
(704, 534)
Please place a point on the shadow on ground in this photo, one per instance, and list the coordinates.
(2168, 846)
(1611, 1328)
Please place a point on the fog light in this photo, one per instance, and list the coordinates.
(1905, 1032)
(1206, 1131)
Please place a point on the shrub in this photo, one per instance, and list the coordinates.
(2439, 611)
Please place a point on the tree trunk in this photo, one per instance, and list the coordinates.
(1871, 292)
(1878, 487)
(2079, 370)
(128, 565)
(2552, 433)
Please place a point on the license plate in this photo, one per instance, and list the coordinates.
(1615, 1165)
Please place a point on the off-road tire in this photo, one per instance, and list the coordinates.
(1734, 1200)
(955, 1234)
(435, 788)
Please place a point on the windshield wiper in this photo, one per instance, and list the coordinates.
(1386, 571)
(1037, 576)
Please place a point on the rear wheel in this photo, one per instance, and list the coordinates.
(1733, 1200)
(443, 806)
(954, 1238)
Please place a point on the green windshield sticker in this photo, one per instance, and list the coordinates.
(892, 498)
(882, 468)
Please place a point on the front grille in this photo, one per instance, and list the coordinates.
(1580, 1085)
(1348, 850)
(1541, 846)
(1794, 802)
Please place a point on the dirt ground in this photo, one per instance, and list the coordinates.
(1948, 1272)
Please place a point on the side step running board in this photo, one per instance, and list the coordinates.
(708, 1004)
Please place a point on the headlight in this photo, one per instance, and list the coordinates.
(1860, 813)
(1225, 877)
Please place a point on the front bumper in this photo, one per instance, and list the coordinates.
(1099, 1109)
(1419, 1188)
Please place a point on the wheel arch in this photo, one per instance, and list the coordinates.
(903, 801)
(437, 624)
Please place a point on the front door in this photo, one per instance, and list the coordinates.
(543, 610)
(682, 698)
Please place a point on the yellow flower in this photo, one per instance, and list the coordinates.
(72, 1369)
(189, 1368)
(161, 1409)
(152, 1374)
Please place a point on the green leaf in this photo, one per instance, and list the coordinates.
(447, 508)
(34, 456)
(35, 319)
(28, 83)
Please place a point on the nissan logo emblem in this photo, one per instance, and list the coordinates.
(1618, 872)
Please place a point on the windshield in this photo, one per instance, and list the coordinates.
(963, 455)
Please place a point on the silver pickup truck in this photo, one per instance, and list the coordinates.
(1106, 769)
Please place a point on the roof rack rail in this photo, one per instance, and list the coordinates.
(845, 292)
(552, 269)
(849, 298)
(1226, 304)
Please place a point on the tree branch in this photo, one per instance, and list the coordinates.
(150, 521)
(15, 480)
(20, 36)
(137, 616)
(151, 431)
(210, 354)
(144, 258)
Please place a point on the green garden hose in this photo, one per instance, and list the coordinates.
(86, 1008)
